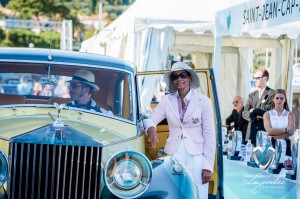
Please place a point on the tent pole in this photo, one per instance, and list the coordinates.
(135, 49)
(217, 59)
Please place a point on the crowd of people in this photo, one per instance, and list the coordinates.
(32, 86)
(29, 87)
(265, 110)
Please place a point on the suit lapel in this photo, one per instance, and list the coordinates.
(257, 99)
(174, 105)
(262, 97)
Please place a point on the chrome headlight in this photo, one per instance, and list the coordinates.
(128, 174)
(3, 168)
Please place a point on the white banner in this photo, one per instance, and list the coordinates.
(255, 15)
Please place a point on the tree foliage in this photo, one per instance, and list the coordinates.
(22, 38)
(56, 10)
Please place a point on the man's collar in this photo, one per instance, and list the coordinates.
(90, 103)
(262, 90)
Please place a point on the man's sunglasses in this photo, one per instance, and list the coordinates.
(235, 102)
(257, 78)
(182, 75)
(73, 86)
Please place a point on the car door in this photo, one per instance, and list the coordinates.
(152, 90)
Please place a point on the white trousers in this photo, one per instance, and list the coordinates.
(194, 164)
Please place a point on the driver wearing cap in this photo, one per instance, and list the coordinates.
(80, 88)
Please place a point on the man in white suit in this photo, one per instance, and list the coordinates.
(190, 118)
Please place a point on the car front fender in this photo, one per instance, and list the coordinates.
(170, 180)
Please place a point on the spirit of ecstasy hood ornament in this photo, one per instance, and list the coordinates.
(58, 122)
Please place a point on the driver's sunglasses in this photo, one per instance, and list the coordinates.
(73, 86)
(182, 75)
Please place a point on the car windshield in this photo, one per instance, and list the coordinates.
(40, 84)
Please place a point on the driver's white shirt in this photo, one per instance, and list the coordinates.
(93, 104)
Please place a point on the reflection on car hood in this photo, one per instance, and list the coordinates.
(21, 120)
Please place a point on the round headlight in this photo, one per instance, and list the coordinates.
(128, 174)
(3, 168)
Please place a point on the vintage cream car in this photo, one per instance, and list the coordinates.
(51, 150)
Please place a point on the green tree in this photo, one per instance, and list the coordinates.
(22, 38)
(29, 8)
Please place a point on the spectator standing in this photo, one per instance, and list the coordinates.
(190, 118)
(257, 104)
(279, 122)
(235, 121)
(37, 88)
(23, 87)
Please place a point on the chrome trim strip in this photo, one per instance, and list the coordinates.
(15, 169)
(40, 170)
(90, 173)
(129, 65)
(77, 171)
(10, 168)
(71, 170)
(33, 173)
(58, 171)
(21, 167)
(4, 138)
(53, 171)
(64, 176)
(27, 168)
(96, 178)
(47, 171)
(83, 175)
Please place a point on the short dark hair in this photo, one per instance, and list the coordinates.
(265, 72)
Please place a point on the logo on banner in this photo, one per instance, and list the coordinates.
(264, 158)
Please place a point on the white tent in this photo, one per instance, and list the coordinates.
(276, 19)
(151, 29)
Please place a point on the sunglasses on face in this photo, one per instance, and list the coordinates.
(281, 98)
(182, 75)
(73, 86)
(235, 102)
(257, 78)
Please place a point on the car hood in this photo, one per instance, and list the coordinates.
(17, 121)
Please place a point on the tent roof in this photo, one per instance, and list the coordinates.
(193, 21)
(181, 15)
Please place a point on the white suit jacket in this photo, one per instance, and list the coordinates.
(197, 127)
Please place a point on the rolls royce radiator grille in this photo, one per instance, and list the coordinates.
(54, 171)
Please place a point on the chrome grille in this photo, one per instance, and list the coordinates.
(54, 171)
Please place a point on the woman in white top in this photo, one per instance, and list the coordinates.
(279, 122)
